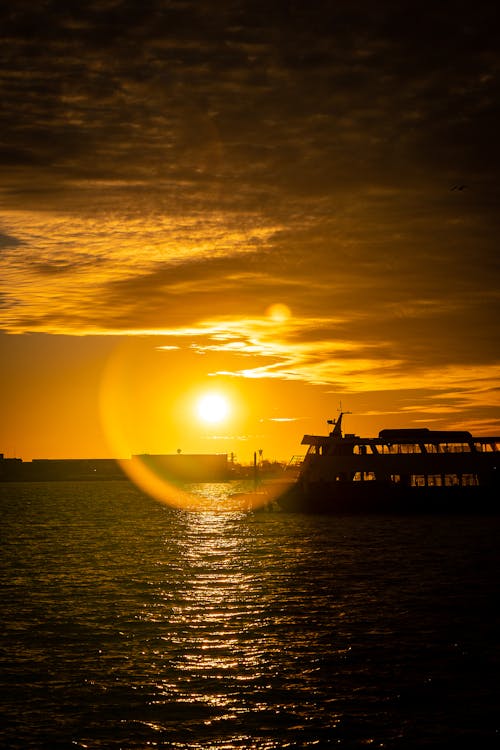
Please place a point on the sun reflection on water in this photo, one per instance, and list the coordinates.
(211, 613)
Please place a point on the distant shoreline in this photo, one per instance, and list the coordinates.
(178, 467)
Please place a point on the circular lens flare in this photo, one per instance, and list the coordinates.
(278, 312)
(122, 417)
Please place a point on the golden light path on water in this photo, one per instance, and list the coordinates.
(209, 610)
(119, 392)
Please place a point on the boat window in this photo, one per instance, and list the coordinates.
(431, 448)
(364, 476)
(485, 447)
(399, 448)
(359, 450)
(418, 480)
(469, 480)
(410, 448)
(459, 447)
(448, 480)
(435, 480)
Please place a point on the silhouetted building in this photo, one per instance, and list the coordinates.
(176, 467)
(197, 467)
(50, 469)
(10, 468)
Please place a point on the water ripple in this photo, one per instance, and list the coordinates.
(129, 625)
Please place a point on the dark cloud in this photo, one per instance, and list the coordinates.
(277, 96)
(7, 241)
(76, 262)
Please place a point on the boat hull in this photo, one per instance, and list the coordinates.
(386, 497)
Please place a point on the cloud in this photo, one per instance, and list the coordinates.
(178, 167)
(8, 241)
(185, 91)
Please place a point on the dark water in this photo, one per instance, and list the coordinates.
(129, 625)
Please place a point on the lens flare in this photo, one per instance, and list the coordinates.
(125, 422)
(279, 313)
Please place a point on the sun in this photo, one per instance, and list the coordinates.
(212, 407)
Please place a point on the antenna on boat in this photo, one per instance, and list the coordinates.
(337, 423)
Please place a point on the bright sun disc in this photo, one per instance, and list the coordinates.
(212, 408)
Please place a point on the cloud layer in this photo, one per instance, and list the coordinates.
(178, 167)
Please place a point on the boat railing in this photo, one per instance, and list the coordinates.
(295, 462)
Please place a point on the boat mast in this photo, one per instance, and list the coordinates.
(337, 424)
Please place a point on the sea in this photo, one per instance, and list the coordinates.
(128, 624)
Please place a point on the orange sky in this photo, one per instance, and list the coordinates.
(170, 174)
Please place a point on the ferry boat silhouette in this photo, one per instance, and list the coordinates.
(402, 470)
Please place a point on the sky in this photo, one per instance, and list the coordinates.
(294, 205)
